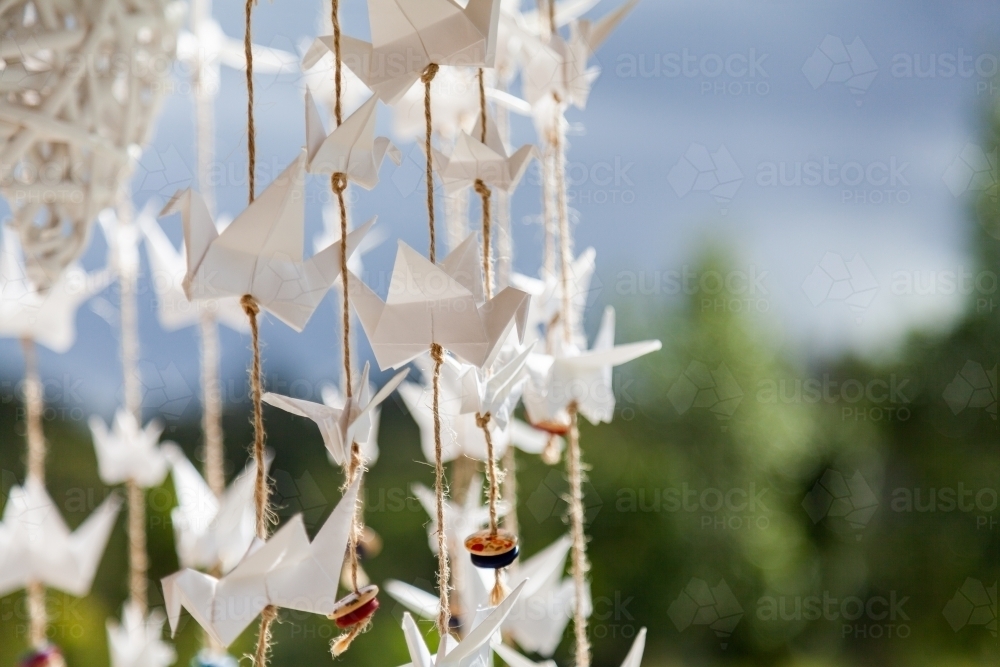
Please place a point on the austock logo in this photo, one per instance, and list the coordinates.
(973, 604)
(834, 279)
(701, 604)
(699, 387)
(973, 387)
(835, 62)
(700, 170)
(847, 500)
(549, 499)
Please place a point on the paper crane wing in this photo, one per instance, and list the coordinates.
(481, 635)
(331, 425)
(515, 659)
(350, 148)
(416, 600)
(307, 581)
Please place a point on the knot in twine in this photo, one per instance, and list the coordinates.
(482, 420)
(481, 188)
(338, 181)
(429, 72)
(250, 306)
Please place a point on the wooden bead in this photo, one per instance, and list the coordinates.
(552, 427)
(49, 656)
(356, 607)
(492, 551)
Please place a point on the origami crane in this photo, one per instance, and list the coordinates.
(557, 67)
(136, 642)
(36, 544)
(351, 148)
(545, 589)
(441, 304)
(460, 521)
(466, 391)
(128, 452)
(409, 35)
(472, 160)
(211, 532)
(174, 310)
(260, 253)
(345, 424)
(46, 317)
(453, 653)
(545, 311)
(581, 377)
(286, 571)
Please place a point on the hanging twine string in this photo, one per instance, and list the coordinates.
(548, 219)
(484, 193)
(443, 574)
(499, 591)
(338, 183)
(136, 497)
(211, 418)
(562, 208)
(262, 488)
(338, 63)
(580, 565)
(251, 131)
(428, 75)
(35, 436)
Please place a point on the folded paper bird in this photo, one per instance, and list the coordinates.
(36, 544)
(557, 67)
(211, 532)
(348, 423)
(450, 652)
(48, 317)
(465, 392)
(286, 571)
(437, 303)
(352, 148)
(583, 377)
(128, 451)
(471, 160)
(544, 588)
(136, 642)
(545, 312)
(409, 35)
(260, 253)
(173, 309)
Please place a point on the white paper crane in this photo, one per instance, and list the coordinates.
(211, 532)
(537, 621)
(441, 304)
(583, 377)
(545, 311)
(168, 267)
(464, 392)
(408, 35)
(36, 544)
(558, 66)
(287, 571)
(352, 148)
(260, 253)
(470, 159)
(454, 653)
(48, 317)
(344, 424)
(128, 451)
(136, 641)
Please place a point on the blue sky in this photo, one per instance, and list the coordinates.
(644, 198)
